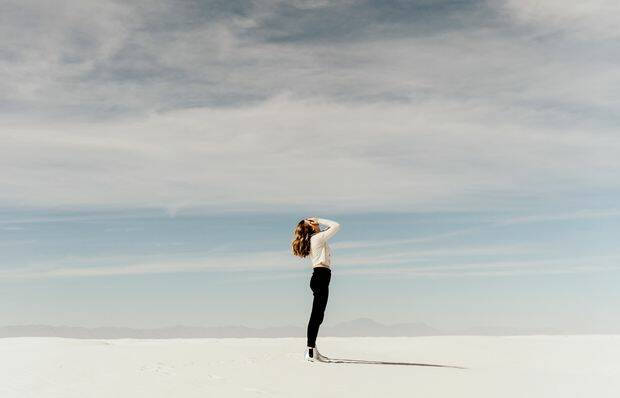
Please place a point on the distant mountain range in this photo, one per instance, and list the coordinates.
(361, 327)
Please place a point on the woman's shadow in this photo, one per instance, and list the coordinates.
(364, 361)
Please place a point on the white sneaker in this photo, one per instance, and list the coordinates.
(310, 355)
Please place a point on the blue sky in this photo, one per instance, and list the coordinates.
(156, 155)
(452, 270)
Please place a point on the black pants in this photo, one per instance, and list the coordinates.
(319, 283)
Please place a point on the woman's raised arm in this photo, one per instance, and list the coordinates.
(329, 232)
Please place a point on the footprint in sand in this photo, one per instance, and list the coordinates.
(159, 367)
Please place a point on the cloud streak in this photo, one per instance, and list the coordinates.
(449, 262)
(583, 214)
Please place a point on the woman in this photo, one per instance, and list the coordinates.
(311, 241)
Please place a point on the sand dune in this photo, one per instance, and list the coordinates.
(509, 366)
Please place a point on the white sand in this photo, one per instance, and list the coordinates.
(524, 367)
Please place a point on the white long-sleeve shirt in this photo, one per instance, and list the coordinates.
(320, 253)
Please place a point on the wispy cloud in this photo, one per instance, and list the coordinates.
(582, 214)
(394, 242)
(421, 255)
(594, 18)
(276, 261)
(131, 265)
(496, 268)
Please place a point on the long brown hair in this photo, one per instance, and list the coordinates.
(300, 246)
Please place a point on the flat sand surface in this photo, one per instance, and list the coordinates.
(497, 367)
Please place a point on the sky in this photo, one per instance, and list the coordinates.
(156, 155)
